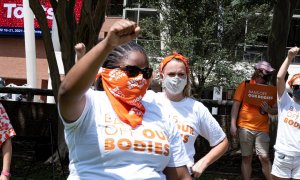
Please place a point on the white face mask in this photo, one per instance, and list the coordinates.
(174, 85)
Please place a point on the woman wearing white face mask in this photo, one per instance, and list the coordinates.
(192, 117)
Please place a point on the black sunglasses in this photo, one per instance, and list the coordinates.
(133, 71)
(295, 87)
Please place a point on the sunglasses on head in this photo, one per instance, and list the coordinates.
(133, 71)
(295, 87)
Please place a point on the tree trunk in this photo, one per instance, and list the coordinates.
(278, 37)
(52, 63)
(91, 20)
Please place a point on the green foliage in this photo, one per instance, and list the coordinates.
(210, 33)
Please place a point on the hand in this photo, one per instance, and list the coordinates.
(80, 50)
(122, 32)
(293, 52)
(199, 168)
(233, 131)
(4, 177)
(265, 106)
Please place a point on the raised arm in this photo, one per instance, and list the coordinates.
(283, 70)
(71, 97)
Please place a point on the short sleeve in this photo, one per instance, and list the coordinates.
(210, 128)
(239, 92)
(79, 121)
(6, 129)
(285, 99)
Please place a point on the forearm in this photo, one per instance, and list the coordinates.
(82, 74)
(216, 152)
(7, 154)
(234, 112)
(284, 67)
(283, 70)
(174, 173)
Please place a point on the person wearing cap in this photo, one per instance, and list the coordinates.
(254, 100)
(286, 163)
(192, 118)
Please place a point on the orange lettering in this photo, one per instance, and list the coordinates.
(166, 146)
(191, 130)
(291, 122)
(285, 120)
(109, 144)
(158, 148)
(150, 147)
(107, 118)
(175, 118)
(185, 128)
(111, 130)
(161, 135)
(123, 146)
(296, 125)
(185, 138)
(139, 146)
(148, 133)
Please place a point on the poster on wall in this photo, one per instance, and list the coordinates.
(11, 16)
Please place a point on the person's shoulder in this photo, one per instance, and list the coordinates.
(194, 102)
(149, 97)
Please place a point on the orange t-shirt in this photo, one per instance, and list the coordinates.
(251, 95)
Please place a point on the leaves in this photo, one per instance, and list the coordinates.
(211, 34)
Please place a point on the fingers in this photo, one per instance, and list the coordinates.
(80, 47)
(122, 32)
(233, 134)
(293, 52)
(125, 28)
(264, 105)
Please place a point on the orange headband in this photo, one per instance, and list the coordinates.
(175, 56)
(294, 77)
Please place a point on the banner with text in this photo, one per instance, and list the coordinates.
(256, 94)
(11, 16)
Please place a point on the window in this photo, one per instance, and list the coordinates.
(114, 8)
(151, 37)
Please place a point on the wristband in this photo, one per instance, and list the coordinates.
(5, 173)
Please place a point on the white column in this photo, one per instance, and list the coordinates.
(30, 49)
(56, 46)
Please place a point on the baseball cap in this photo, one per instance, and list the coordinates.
(264, 65)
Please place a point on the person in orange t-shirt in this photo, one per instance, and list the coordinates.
(253, 101)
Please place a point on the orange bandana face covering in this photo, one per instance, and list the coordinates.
(125, 94)
(174, 56)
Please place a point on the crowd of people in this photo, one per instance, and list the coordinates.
(120, 83)
(119, 129)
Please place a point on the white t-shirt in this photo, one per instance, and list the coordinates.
(103, 147)
(288, 130)
(192, 119)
